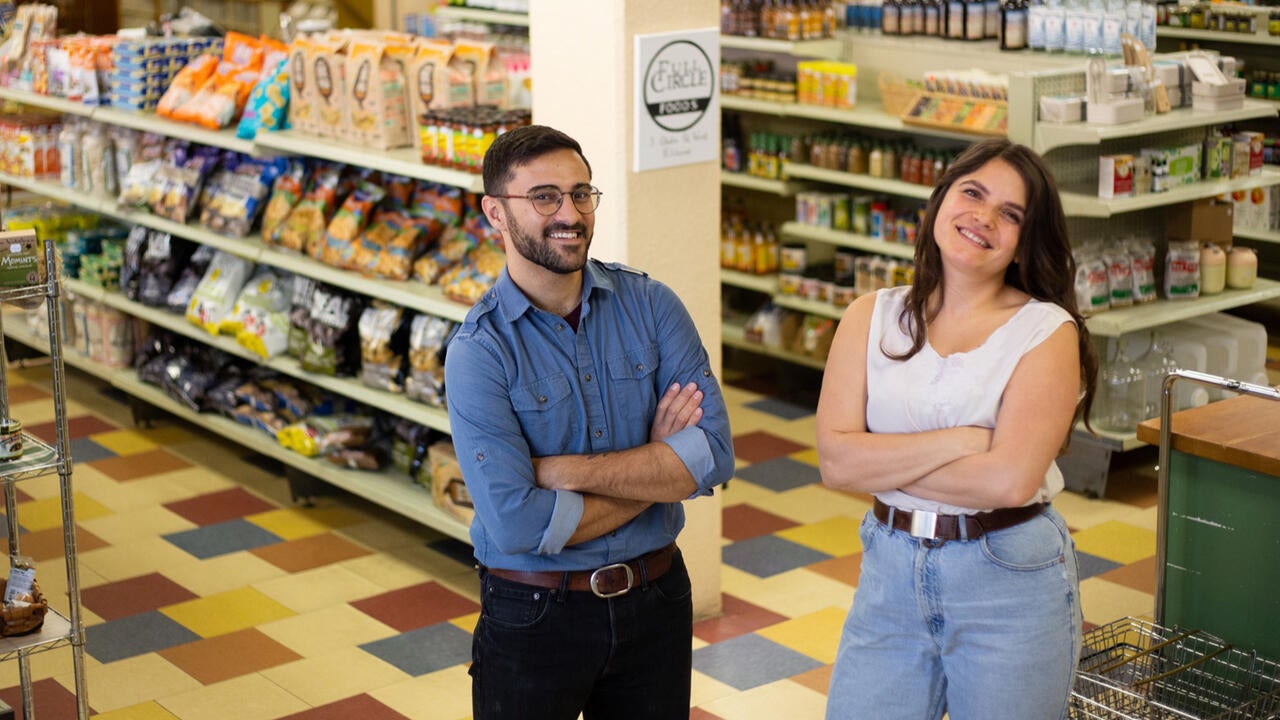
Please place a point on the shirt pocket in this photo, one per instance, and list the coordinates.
(548, 416)
(632, 379)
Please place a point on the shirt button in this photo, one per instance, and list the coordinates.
(640, 367)
(599, 433)
(542, 398)
(587, 377)
(706, 373)
(560, 326)
(480, 457)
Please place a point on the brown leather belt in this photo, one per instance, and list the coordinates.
(933, 526)
(606, 582)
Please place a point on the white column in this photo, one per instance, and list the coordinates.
(665, 222)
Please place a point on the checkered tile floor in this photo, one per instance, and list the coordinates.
(208, 594)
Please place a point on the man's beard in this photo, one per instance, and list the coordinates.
(542, 251)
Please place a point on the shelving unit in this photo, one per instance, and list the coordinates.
(839, 238)
(401, 161)
(1053, 135)
(39, 459)
(1267, 236)
(1259, 37)
(1084, 205)
(854, 180)
(493, 17)
(732, 335)
(1115, 323)
(826, 49)
(751, 182)
(866, 115)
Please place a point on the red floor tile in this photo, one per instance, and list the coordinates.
(360, 706)
(743, 522)
(817, 679)
(1140, 575)
(50, 699)
(26, 392)
(738, 617)
(135, 595)
(759, 446)
(843, 569)
(227, 656)
(48, 544)
(700, 714)
(220, 506)
(77, 427)
(311, 552)
(140, 465)
(416, 606)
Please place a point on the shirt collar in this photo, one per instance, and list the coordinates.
(513, 302)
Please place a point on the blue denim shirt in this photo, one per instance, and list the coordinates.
(522, 384)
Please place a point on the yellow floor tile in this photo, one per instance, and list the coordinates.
(144, 492)
(295, 523)
(816, 634)
(815, 503)
(199, 480)
(837, 536)
(809, 457)
(226, 612)
(150, 710)
(46, 512)
(43, 665)
(221, 573)
(1103, 601)
(146, 555)
(249, 697)
(329, 678)
(125, 442)
(318, 588)
(324, 631)
(441, 695)
(1116, 541)
(802, 430)
(388, 571)
(1081, 512)
(466, 622)
(123, 527)
(741, 491)
(705, 689)
(782, 699)
(132, 681)
(793, 594)
(166, 435)
(381, 535)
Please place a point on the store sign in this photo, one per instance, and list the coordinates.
(677, 99)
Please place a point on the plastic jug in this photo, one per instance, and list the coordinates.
(1221, 352)
(1189, 354)
(1251, 344)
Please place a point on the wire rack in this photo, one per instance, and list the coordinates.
(1135, 669)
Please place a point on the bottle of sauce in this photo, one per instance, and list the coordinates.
(1213, 269)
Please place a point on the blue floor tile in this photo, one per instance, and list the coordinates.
(84, 450)
(780, 474)
(781, 408)
(768, 555)
(1092, 565)
(135, 635)
(222, 538)
(424, 650)
(749, 661)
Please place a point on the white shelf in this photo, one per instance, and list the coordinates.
(865, 182)
(809, 307)
(1268, 236)
(55, 633)
(767, 284)
(48, 102)
(731, 335)
(1114, 323)
(494, 17)
(868, 114)
(827, 49)
(751, 182)
(402, 161)
(847, 239)
(1254, 38)
(1082, 205)
(1052, 135)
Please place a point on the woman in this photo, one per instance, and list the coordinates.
(949, 400)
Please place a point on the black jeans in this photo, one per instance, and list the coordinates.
(545, 654)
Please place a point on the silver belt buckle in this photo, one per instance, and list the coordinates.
(924, 524)
(595, 577)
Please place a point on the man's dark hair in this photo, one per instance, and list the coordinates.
(520, 146)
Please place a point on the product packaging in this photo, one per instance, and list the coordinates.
(1115, 176)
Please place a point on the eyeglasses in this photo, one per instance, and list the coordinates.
(547, 200)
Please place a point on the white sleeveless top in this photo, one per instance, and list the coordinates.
(931, 392)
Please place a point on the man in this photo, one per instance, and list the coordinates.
(583, 410)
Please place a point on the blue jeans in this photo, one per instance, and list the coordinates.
(987, 629)
(546, 654)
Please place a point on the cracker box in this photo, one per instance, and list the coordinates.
(1115, 176)
(1248, 152)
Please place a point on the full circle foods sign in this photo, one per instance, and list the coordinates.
(677, 111)
(678, 85)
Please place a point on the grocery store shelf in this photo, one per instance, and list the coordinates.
(494, 17)
(1268, 236)
(828, 49)
(847, 239)
(732, 335)
(150, 122)
(401, 161)
(868, 114)
(866, 182)
(48, 102)
(1051, 135)
(1082, 205)
(809, 307)
(1114, 323)
(15, 327)
(1254, 38)
(54, 633)
(751, 182)
(767, 284)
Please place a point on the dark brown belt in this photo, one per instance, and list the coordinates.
(934, 526)
(606, 582)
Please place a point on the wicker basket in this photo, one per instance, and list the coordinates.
(15, 620)
(896, 95)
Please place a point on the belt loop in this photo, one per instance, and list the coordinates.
(644, 573)
(892, 511)
(563, 593)
(962, 521)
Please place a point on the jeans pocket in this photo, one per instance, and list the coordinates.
(513, 606)
(674, 585)
(868, 530)
(1035, 544)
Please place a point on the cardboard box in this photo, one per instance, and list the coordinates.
(1218, 153)
(1248, 152)
(1201, 221)
(20, 262)
(1062, 108)
(1115, 176)
(1174, 166)
(1114, 112)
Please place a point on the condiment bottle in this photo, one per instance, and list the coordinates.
(1213, 269)
(1242, 267)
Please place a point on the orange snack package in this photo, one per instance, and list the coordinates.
(187, 83)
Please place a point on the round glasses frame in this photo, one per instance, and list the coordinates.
(547, 201)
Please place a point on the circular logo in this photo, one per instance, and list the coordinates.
(678, 85)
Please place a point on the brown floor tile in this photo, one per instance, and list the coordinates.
(416, 606)
(77, 427)
(51, 700)
(742, 522)
(817, 679)
(1140, 575)
(140, 465)
(227, 656)
(738, 617)
(759, 446)
(844, 569)
(220, 506)
(26, 392)
(700, 714)
(360, 706)
(47, 544)
(135, 595)
(311, 552)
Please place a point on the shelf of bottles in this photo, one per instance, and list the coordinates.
(1221, 23)
(802, 28)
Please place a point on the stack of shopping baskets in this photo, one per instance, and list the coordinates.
(1135, 669)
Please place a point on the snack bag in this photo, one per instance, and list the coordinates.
(268, 103)
(428, 336)
(384, 339)
(342, 231)
(306, 223)
(186, 84)
(285, 194)
(216, 294)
